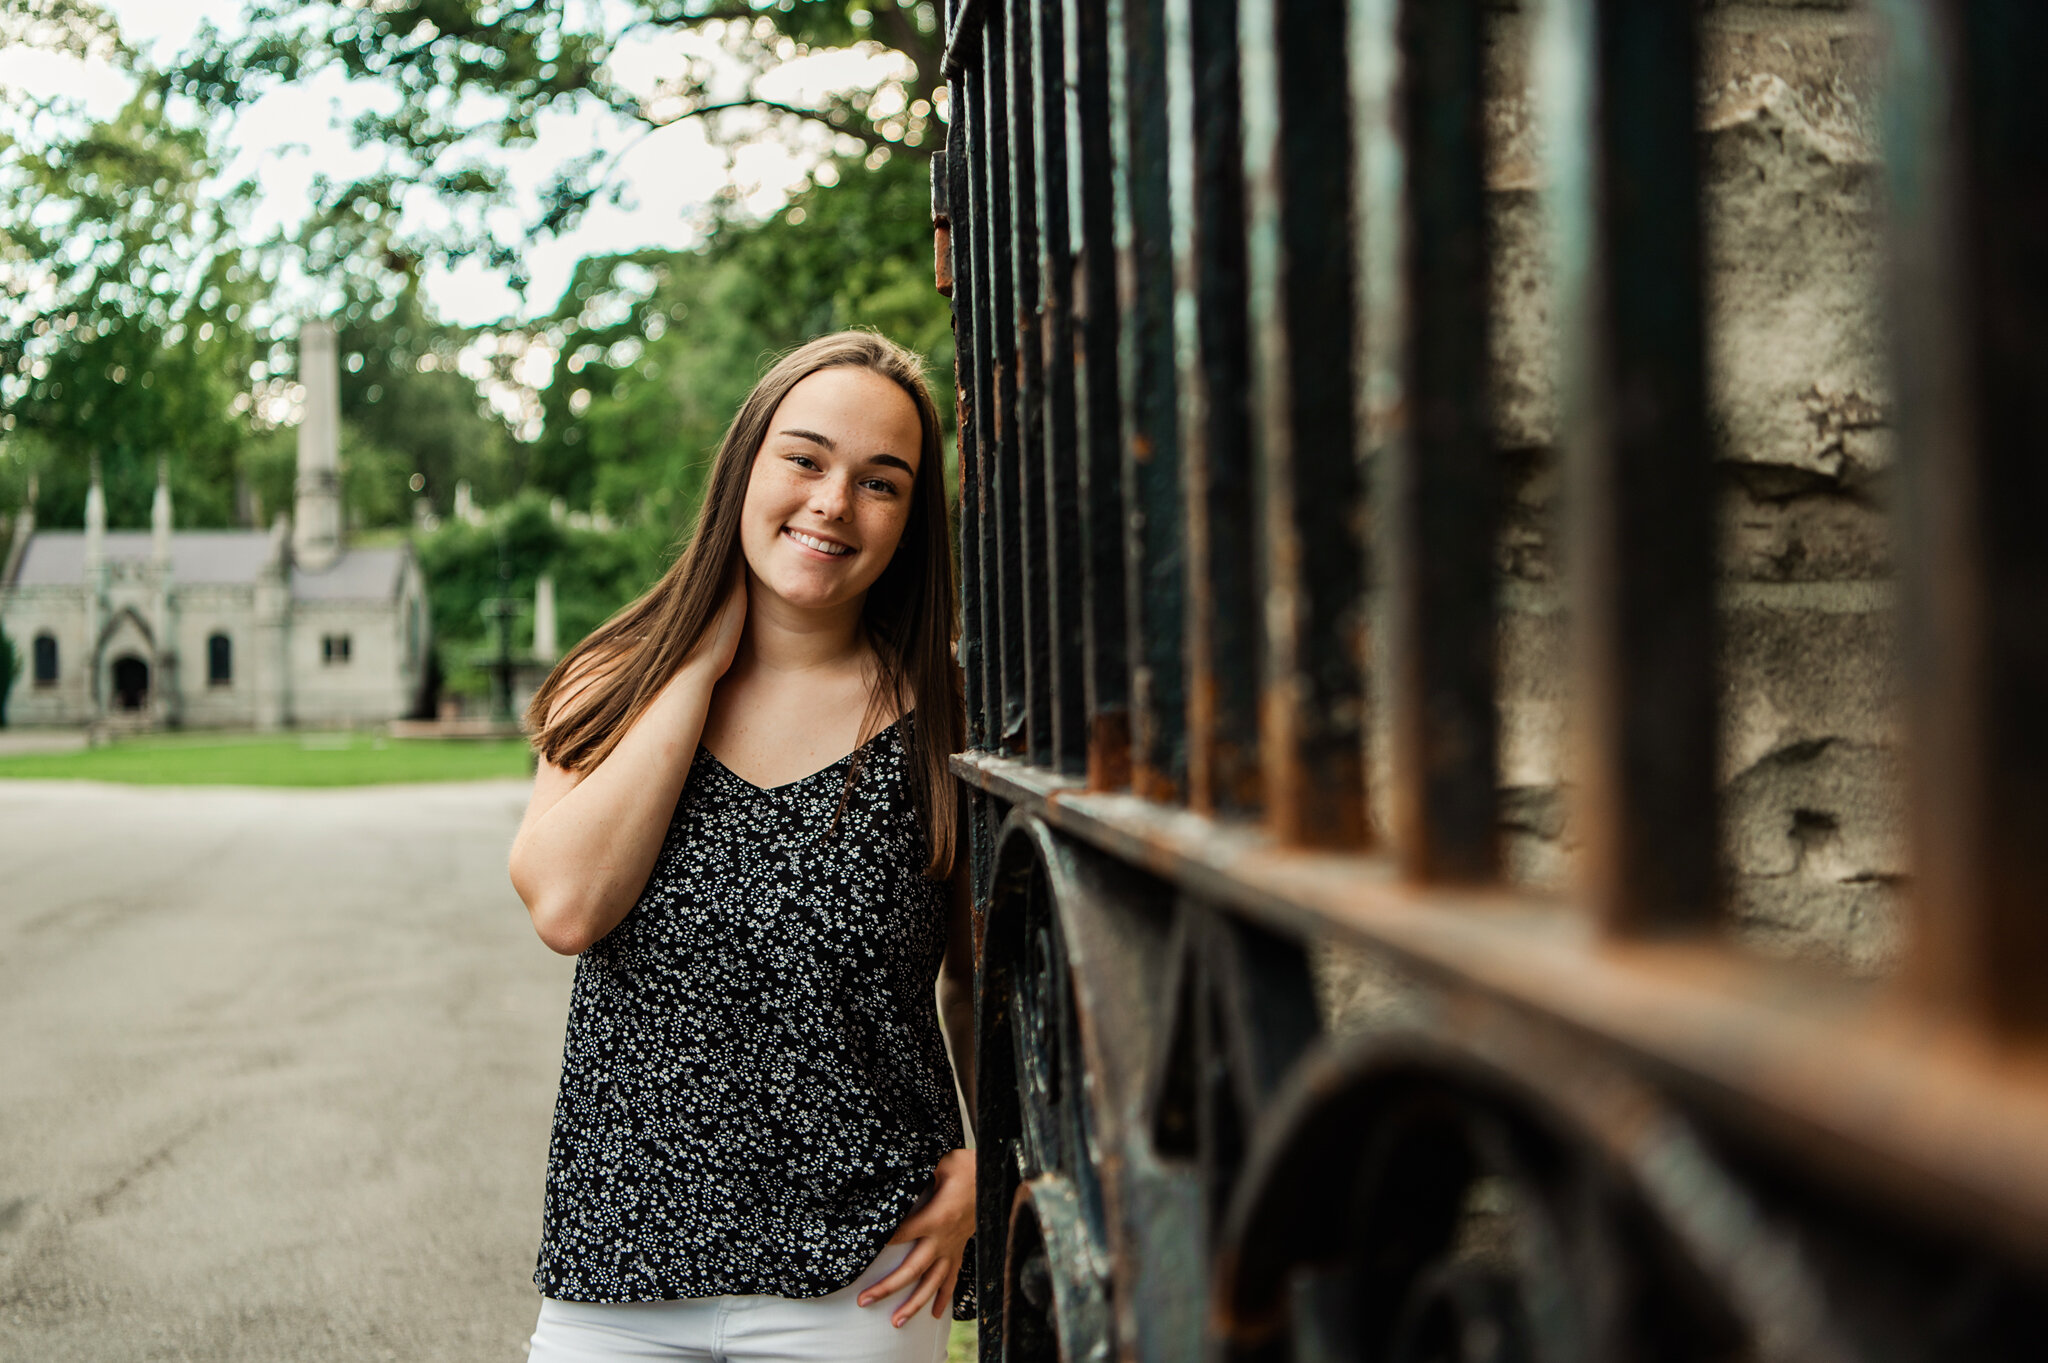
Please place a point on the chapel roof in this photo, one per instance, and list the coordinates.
(56, 558)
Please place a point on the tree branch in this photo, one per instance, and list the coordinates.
(867, 135)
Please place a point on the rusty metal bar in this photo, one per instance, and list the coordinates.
(1297, 137)
(1063, 547)
(1206, 173)
(1440, 482)
(1097, 404)
(1028, 349)
(1638, 477)
(1869, 1098)
(1155, 579)
(1012, 568)
(949, 188)
(1967, 149)
(972, 113)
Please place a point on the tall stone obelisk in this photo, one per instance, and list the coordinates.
(316, 519)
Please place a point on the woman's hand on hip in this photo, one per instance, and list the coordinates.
(941, 1229)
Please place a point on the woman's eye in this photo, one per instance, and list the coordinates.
(803, 459)
(880, 485)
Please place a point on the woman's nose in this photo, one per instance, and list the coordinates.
(829, 498)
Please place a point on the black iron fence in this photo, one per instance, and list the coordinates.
(1591, 1128)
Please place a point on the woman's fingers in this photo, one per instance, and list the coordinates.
(939, 1301)
(929, 1277)
(927, 1290)
(903, 1275)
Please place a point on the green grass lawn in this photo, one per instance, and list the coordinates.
(303, 759)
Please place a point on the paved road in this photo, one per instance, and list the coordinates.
(275, 1075)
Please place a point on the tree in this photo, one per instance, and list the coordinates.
(125, 299)
(477, 76)
(595, 573)
(657, 348)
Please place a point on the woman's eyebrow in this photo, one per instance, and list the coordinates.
(893, 461)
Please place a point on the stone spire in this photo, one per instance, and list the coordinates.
(160, 513)
(316, 522)
(95, 521)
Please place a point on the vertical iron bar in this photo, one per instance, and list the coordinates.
(1440, 484)
(1297, 136)
(1097, 404)
(1156, 578)
(1029, 361)
(973, 112)
(1967, 151)
(1206, 170)
(1639, 481)
(1062, 471)
(1011, 567)
(949, 189)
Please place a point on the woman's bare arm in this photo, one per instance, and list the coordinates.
(589, 839)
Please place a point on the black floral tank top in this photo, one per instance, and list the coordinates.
(754, 1086)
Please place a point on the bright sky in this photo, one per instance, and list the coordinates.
(292, 133)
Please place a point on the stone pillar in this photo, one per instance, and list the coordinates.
(270, 673)
(165, 684)
(316, 520)
(95, 593)
(544, 618)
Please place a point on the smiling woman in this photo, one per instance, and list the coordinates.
(748, 838)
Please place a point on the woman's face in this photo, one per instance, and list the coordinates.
(830, 490)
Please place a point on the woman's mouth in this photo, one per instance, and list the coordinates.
(824, 547)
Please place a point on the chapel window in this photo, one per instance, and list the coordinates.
(220, 660)
(333, 648)
(46, 660)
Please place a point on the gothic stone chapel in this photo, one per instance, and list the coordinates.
(219, 628)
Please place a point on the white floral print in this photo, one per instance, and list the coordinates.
(754, 1087)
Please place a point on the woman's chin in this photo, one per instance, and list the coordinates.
(808, 596)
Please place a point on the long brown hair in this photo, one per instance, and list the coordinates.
(614, 675)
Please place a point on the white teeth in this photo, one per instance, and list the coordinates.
(822, 546)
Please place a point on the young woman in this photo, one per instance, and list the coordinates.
(743, 826)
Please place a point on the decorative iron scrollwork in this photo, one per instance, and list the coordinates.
(1058, 1049)
(1411, 1201)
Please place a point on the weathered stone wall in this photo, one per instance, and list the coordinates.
(1800, 415)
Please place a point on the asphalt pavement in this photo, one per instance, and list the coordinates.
(276, 1069)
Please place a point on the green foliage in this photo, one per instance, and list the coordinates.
(596, 572)
(321, 760)
(474, 77)
(659, 348)
(126, 315)
(406, 409)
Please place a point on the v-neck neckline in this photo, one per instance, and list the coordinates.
(831, 766)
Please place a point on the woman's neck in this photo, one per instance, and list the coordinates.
(780, 638)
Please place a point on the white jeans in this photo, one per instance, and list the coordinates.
(829, 1329)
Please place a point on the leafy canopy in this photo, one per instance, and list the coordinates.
(473, 77)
